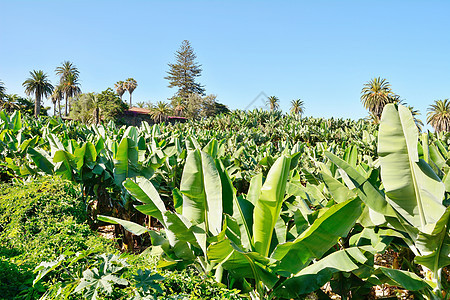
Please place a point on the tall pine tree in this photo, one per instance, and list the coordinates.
(182, 74)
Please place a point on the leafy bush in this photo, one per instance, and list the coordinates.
(39, 221)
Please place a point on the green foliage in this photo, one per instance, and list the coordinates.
(84, 107)
(110, 104)
(192, 285)
(39, 221)
(270, 204)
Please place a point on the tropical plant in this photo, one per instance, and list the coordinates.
(130, 85)
(140, 104)
(376, 94)
(160, 112)
(68, 79)
(39, 85)
(2, 90)
(438, 115)
(297, 107)
(120, 88)
(71, 88)
(56, 97)
(178, 106)
(85, 108)
(273, 102)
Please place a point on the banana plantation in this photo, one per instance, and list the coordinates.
(262, 204)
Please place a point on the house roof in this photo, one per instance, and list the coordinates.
(144, 111)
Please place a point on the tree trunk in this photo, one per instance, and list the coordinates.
(66, 105)
(37, 105)
(130, 100)
(59, 107)
(54, 108)
(97, 115)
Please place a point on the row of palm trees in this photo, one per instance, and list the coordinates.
(39, 85)
(297, 105)
(377, 93)
(128, 85)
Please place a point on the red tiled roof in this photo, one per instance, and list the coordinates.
(139, 110)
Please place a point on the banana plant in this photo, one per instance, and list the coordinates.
(198, 215)
(255, 249)
(409, 199)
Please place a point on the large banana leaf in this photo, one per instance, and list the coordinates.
(435, 247)
(241, 264)
(368, 193)
(316, 275)
(65, 164)
(202, 192)
(41, 159)
(314, 242)
(144, 191)
(405, 279)
(125, 161)
(235, 207)
(412, 188)
(268, 206)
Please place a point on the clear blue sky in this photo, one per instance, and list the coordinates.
(320, 51)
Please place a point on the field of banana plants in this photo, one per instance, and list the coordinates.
(273, 205)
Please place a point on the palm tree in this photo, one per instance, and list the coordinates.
(57, 96)
(2, 90)
(297, 107)
(273, 102)
(376, 94)
(130, 85)
(39, 85)
(438, 115)
(120, 90)
(71, 88)
(178, 106)
(160, 112)
(68, 73)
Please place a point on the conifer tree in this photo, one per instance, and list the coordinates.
(183, 73)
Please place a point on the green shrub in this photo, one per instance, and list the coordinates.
(39, 221)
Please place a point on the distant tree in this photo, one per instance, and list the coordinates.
(84, 108)
(221, 108)
(71, 88)
(178, 106)
(148, 105)
(183, 73)
(2, 90)
(160, 112)
(110, 104)
(25, 105)
(193, 106)
(130, 85)
(376, 94)
(39, 85)
(209, 106)
(9, 104)
(297, 107)
(140, 104)
(68, 78)
(120, 90)
(273, 102)
(57, 96)
(438, 115)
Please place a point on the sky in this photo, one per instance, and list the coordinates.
(319, 51)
